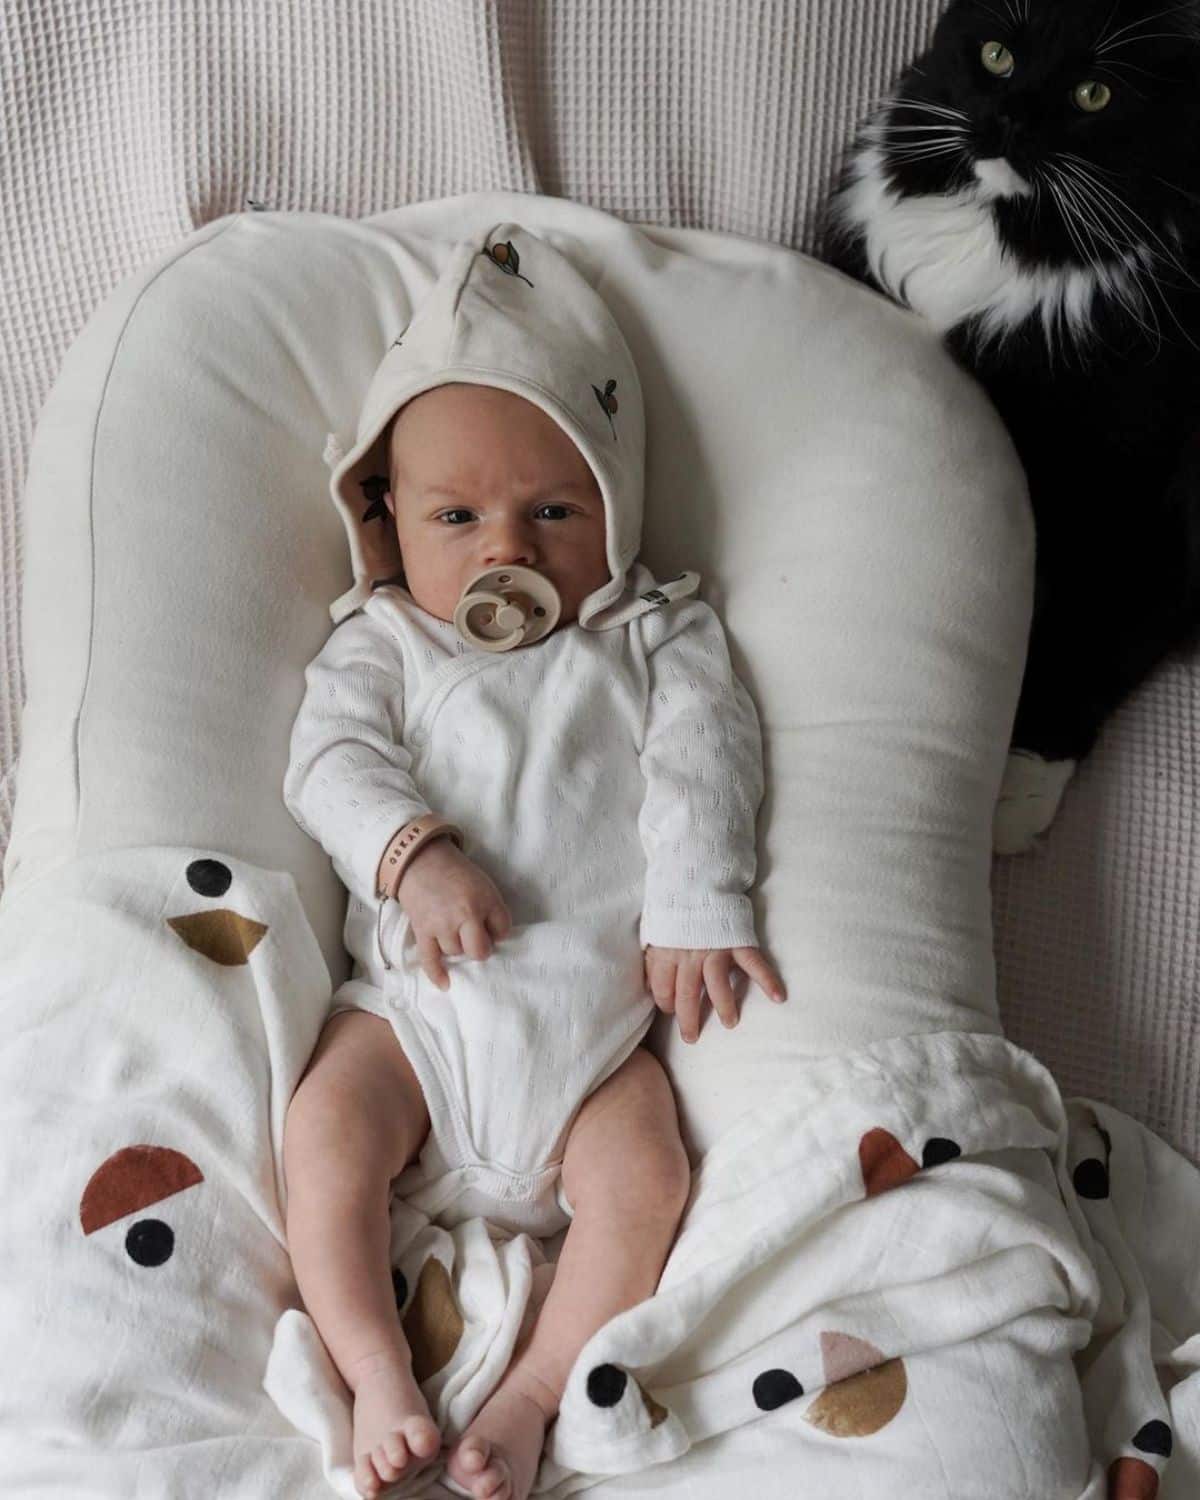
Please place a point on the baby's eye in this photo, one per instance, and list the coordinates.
(457, 517)
(552, 512)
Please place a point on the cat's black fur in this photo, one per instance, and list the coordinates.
(1107, 419)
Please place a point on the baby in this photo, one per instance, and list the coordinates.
(593, 770)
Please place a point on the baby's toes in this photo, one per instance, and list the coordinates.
(492, 1484)
(495, 1483)
(390, 1458)
(475, 1465)
(422, 1436)
(366, 1481)
(472, 1455)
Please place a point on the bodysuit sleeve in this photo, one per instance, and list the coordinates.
(701, 757)
(347, 782)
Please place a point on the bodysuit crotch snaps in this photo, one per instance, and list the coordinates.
(507, 607)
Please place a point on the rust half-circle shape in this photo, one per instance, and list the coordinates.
(1132, 1479)
(884, 1162)
(132, 1179)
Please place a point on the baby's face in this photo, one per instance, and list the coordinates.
(482, 478)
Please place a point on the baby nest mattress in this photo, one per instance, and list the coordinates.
(849, 498)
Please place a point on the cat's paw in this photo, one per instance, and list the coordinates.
(1030, 793)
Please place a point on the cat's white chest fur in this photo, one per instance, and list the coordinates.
(941, 254)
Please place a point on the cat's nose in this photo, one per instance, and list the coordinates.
(998, 135)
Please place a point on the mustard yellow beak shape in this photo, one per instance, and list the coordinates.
(433, 1324)
(225, 936)
(863, 1404)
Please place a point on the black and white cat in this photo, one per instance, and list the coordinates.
(1032, 186)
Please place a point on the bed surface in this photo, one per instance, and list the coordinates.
(127, 126)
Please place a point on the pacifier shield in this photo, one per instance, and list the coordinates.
(507, 607)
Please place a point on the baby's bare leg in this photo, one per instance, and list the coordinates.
(627, 1177)
(356, 1120)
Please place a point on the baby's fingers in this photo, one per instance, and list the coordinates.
(660, 976)
(476, 940)
(429, 954)
(689, 990)
(499, 922)
(720, 991)
(760, 969)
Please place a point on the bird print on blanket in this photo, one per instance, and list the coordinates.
(224, 936)
(130, 1181)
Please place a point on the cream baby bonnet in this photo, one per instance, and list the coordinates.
(510, 311)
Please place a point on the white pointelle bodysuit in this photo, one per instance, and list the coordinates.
(607, 781)
(606, 777)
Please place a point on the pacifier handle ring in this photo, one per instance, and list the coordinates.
(462, 621)
(512, 592)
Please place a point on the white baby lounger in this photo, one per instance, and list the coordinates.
(859, 521)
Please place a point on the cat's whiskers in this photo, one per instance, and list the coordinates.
(912, 157)
(908, 129)
(1175, 188)
(1106, 42)
(991, 11)
(916, 143)
(1117, 69)
(1106, 278)
(945, 137)
(1125, 210)
(1153, 36)
(1142, 270)
(942, 110)
(1073, 195)
(1102, 38)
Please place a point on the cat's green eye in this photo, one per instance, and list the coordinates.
(1092, 96)
(998, 59)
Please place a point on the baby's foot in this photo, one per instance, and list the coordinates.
(497, 1457)
(394, 1435)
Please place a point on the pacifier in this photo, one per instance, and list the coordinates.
(506, 607)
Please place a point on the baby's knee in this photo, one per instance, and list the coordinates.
(325, 1122)
(358, 1110)
(626, 1144)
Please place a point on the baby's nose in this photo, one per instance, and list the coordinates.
(509, 544)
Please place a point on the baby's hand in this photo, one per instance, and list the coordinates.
(453, 908)
(678, 977)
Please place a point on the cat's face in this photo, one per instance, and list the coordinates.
(1078, 120)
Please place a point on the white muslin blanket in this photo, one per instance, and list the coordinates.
(959, 1285)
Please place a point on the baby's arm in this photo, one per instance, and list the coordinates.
(348, 781)
(702, 761)
(348, 785)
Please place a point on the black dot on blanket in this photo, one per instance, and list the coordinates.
(606, 1385)
(1091, 1178)
(775, 1388)
(1154, 1437)
(400, 1287)
(150, 1242)
(209, 877)
(938, 1150)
